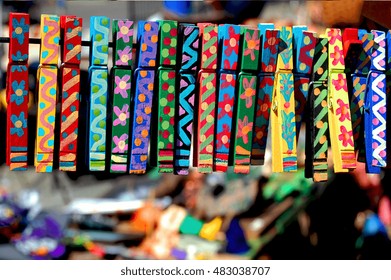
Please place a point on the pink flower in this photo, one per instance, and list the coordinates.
(120, 143)
(124, 56)
(333, 35)
(249, 91)
(244, 128)
(346, 137)
(340, 83)
(343, 110)
(337, 56)
(122, 115)
(122, 85)
(125, 30)
(252, 44)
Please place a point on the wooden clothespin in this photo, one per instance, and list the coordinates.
(247, 89)
(284, 155)
(98, 77)
(269, 51)
(71, 28)
(147, 34)
(317, 129)
(47, 92)
(121, 96)
(17, 92)
(229, 40)
(375, 107)
(204, 146)
(189, 41)
(303, 46)
(164, 120)
(341, 134)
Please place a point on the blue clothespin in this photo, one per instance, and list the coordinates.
(98, 78)
(147, 37)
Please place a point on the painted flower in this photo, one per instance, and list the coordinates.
(226, 107)
(249, 91)
(337, 56)
(18, 68)
(252, 44)
(264, 107)
(343, 110)
(244, 127)
(120, 143)
(333, 35)
(122, 115)
(125, 30)
(340, 83)
(346, 137)
(124, 56)
(20, 28)
(19, 57)
(19, 92)
(122, 85)
(271, 44)
(225, 136)
(19, 124)
(259, 134)
(230, 46)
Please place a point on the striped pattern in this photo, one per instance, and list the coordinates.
(209, 46)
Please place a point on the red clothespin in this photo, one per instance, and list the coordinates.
(17, 91)
(71, 28)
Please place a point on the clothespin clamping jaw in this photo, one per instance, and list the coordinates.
(204, 147)
(145, 78)
(269, 40)
(17, 92)
(283, 109)
(341, 134)
(98, 77)
(163, 153)
(189, 42)
(121, 98)
(247, 89)
(47, 92)
(317, 129)
(229, 41)
(71, 28)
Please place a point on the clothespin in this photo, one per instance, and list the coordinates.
(71, 28)
(317, 129)
(341, 134)
(303, 46)
(189, 41)
(204, 147)
(375, 107)
(283, 109)
(147, 34)
(17, 91)
(269, 38)
(98, 77)
(229, 40)
(47, 92)
(163, 152)
(388, 86)
(247, 89)
(121, 97)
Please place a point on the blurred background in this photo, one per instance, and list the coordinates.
(86, 215)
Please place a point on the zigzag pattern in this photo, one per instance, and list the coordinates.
(190, 48)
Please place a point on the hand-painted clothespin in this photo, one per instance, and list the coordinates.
(247, 89)
(204, 146)
(17, 91)
(163, 152)
(357, 52)
(147, 34)
(388, 88)
(341, 134)
(303, 47)
(189, 41)
(98, 77)
(121, 97)
(71, 28)
(229, 40)
(317, 129)
(283, 109)
(47, 92)
(375, 107)
(269, 51)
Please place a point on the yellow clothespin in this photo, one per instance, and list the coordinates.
(340, 124)
(47, 91)
(283, 124)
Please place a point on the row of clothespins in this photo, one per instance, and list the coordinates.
(209, 90)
